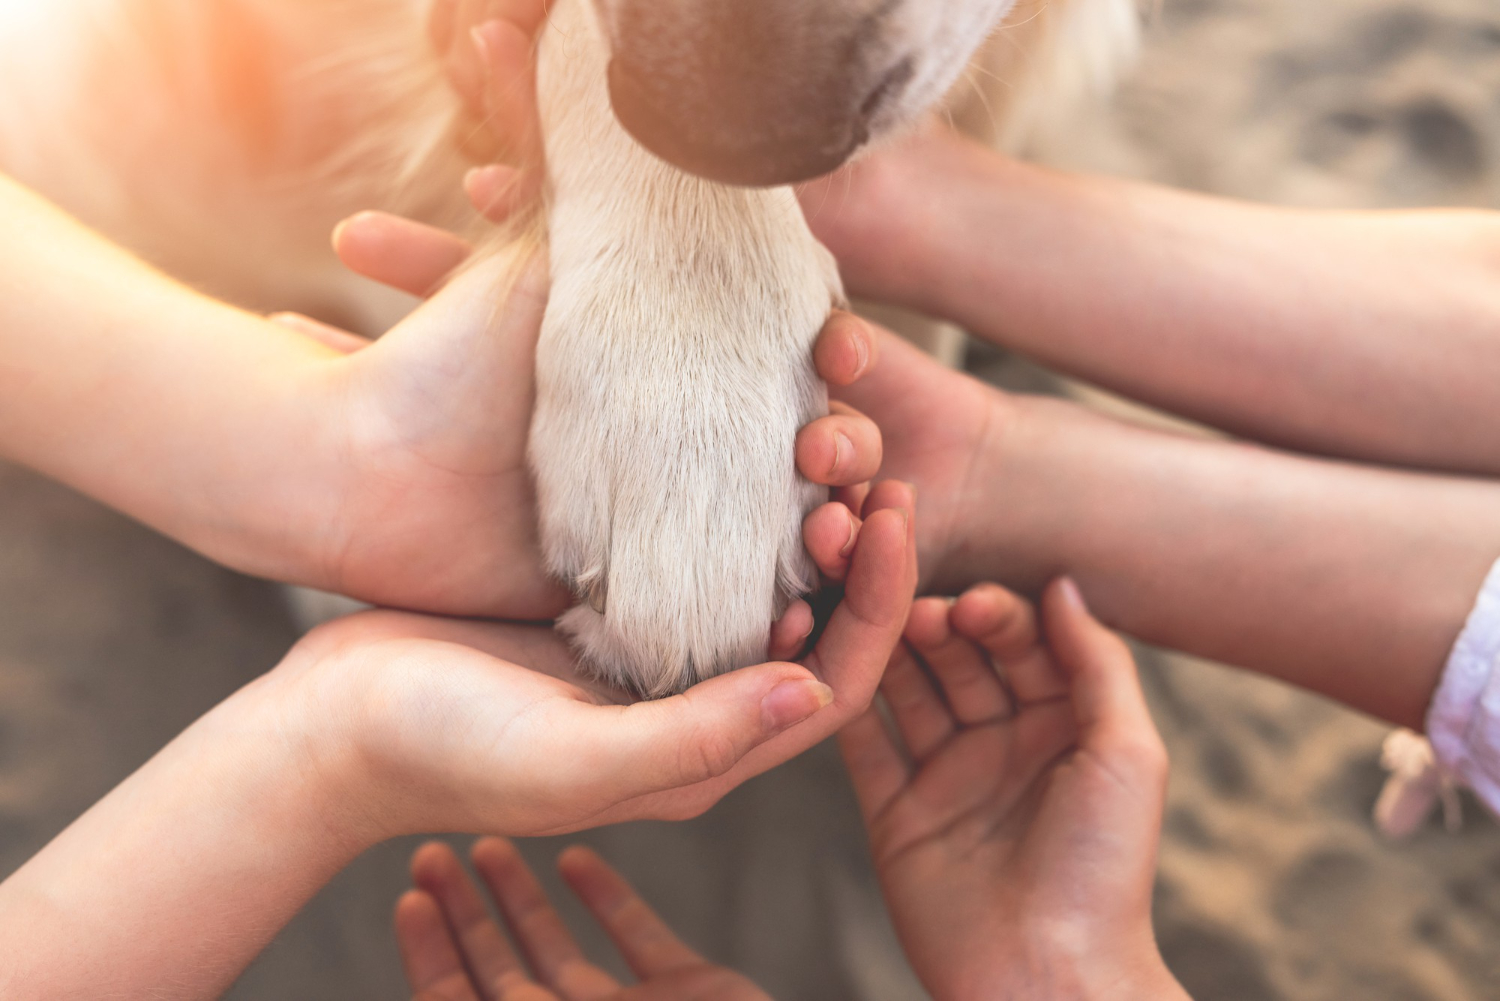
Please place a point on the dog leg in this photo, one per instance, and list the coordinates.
(674, 371)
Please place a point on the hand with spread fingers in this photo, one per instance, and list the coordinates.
(1014, 823)
(454, 951)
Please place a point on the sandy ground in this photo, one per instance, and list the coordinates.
(1272, 884)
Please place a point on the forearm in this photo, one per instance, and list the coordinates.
(161, 402)
(169, 886)
(1353, 582)
(1368, 335)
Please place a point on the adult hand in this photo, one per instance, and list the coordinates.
(454, 951)
(1016, 836)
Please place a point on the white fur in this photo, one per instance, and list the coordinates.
(674, 368)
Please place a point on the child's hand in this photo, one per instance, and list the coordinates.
(430, 504)
(386, 724)
(1017, 849)
(454, 951)
(469, 726)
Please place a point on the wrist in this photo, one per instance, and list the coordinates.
(1002, 503)
(880, 218)
(306, 708)
(1045, 973)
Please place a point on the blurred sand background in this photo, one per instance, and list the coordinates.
(1273, 885)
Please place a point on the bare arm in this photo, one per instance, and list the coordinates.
(152, 398)
(1351, 581)
(387, 472)
(1370, 335)
(386, 724)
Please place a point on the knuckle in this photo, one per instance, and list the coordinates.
(709, 754)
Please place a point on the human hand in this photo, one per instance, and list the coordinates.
(456, 436)
(1017, 851)
(454, 951)
(435, 724)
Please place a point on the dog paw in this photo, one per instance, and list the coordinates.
(664, 458)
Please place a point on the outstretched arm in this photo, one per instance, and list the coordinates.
(1369, 335)
(389, 724)
(1352, 581)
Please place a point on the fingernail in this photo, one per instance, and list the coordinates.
(1068, 588)
(843, 447)
(862, 349)
(853, 534)
(791, 702)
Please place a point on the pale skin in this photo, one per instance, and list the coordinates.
(394, 472)
(391, 723)
(1014, 816)
(1363, 335)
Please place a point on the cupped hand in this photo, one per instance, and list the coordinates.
(1016, 834)
(454, 951)
(940, 430)
(448, 725)
(438, 511)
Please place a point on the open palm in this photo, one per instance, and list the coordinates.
(454, 951)
(1027, 820)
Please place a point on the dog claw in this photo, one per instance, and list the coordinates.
(597, 595)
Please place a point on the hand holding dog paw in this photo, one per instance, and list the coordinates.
(454, 951)
(440, 516)
(435, 724)
(1017, 849)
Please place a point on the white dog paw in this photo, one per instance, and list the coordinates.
(671, 506)
(664, 452)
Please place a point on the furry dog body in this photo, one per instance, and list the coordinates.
(222, 139)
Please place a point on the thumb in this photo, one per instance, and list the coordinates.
(1108, 703)
(653, 747)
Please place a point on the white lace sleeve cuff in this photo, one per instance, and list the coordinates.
(1463, 723)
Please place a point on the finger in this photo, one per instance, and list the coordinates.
(342, 341)
(830, 535)
(854, 498)
(441, 21)
(845, 350)
(1005, 624)
(852, 653)
(498, 191)
(920, 716)
(510, 99)
(463, 60)
(850, 657)
(840, 450)
(403, 254)
(789, 634)
(876, 768)
(434, 969)
(647, 944)
(692, 738)
(549, 947)
(496, 968)
(1110, 707)
(970, 684)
